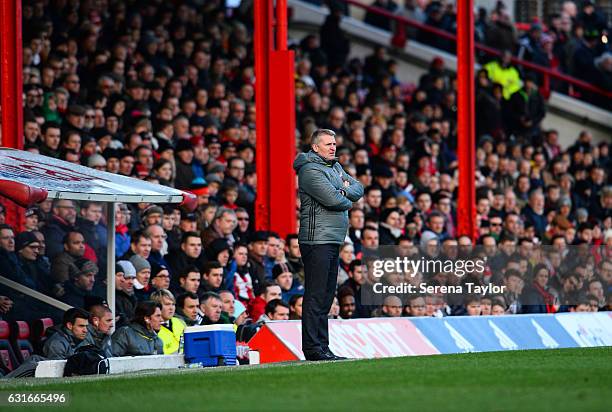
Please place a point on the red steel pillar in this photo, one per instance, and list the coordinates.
(262, 44)
(11, 86)
(282, 130)
(275, 104)
(466, 150)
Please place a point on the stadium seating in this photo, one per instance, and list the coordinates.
(19, 339)
(38, 329)
(8, 361)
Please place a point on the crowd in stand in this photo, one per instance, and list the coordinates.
(164, 92)
(573, 41)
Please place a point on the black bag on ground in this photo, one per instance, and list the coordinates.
(87, 360)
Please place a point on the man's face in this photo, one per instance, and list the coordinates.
(190, 308)
(126, 164)
(191, 282)
(75, 245)
(260, 248)
(212, 309)
(161, 280)
(142, 247)
(243, 221)
(93, 213)
(374, 198)
(280, 313)
(65, 209)
(370, 239)
(31, 251)
(359, 274)
(473, 309)
(192, 246)
(418, 307)
(157, 235)
(31, 222)
(357, 220)
(236, 169)
(347, 306)
(294, 248)
(52, 138)
(86, 281)
(227, 299)
(514, 284)
(326, 147)
(7, 240)
(78, 328)
(227, 223)
(168, 308)
(214, 277)
(273, 292)
(393, 309)
(125, 284)
(105, 323)
(273, 247)
(436, 224)
(285, 280)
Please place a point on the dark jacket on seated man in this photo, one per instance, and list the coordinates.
(135, 340)
(62, 343)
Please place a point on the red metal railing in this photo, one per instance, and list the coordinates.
(546, 72)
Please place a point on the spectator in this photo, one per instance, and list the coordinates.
(212, 277)
(282, 275)
(256, 307)
(295, 307)
(74, 248)
(64, 340)
(377, 20)
(36, 275)
(125, 300)
(142, 287)
(100, 327)
(211, 307)
(501, 71)
(239, 279)
(187, 308)
(526, 109)
(93, 231)
(61, 222)
(172, 328)
(160, 277)
(189, 280)
(140, 336)
(79, 287)
(189, 255)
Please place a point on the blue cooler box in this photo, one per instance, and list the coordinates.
(211, 345)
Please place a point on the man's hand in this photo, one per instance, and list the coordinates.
(5, 304)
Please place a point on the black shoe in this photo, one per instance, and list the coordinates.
(328, 352)
(319, 356)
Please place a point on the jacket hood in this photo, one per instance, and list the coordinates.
(310, 157)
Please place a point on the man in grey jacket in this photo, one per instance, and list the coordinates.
(327, 192)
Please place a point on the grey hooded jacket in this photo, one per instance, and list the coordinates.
(136, 340)
(323, 198)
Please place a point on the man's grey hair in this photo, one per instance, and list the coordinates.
(316, 135)
(223, 210)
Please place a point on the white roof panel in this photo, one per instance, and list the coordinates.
(65, 180)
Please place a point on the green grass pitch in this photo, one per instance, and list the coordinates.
(543, 380)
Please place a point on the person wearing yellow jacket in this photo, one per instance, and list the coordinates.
(172, 328)
(503, 72)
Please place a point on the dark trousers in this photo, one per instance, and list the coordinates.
(320, 272)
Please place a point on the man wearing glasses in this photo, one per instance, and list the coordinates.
(327, 192)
